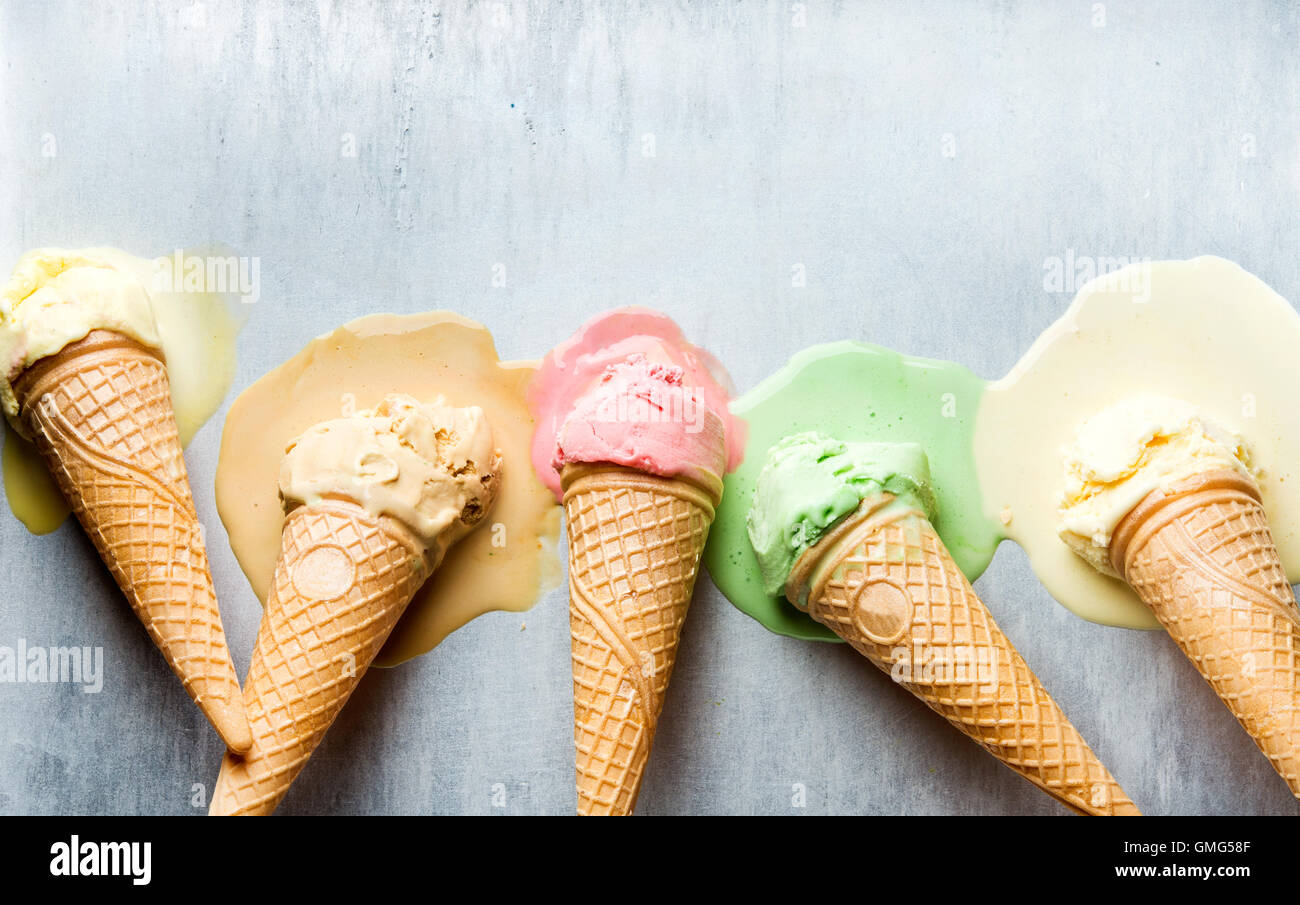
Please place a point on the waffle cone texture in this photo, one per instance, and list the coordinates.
(101, 415)
(884, 582)
(343, 579)
(635, 541)
(1202, 557)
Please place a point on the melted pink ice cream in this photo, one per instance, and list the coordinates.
(628, 389)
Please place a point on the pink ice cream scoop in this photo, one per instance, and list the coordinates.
(629, 390)
(642, 415)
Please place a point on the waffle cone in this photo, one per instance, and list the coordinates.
(343, 579)
(635, 541)
(101, 415)
(1202, 557)
(884, 582)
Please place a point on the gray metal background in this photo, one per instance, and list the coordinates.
(513, 133)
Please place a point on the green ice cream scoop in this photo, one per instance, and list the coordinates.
(810, 482)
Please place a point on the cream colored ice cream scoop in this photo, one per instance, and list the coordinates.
(1128, 450)
(56, 296)
(373, 502)
(1165, 499)
(431, 466)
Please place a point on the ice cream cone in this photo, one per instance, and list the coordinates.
(884, 582)
(101, 415)
(1200, 554)
(635, 541)
(343, 579)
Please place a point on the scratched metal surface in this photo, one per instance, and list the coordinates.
(921, 161)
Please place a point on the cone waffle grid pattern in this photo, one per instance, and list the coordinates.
(633, 558)
(104, 424)
(1213, 578)
(311, 653)
(996, 700)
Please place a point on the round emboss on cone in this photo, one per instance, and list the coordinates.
(324, 573)
(882, 611)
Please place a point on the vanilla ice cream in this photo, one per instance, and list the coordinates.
(433, 467)
(1125, 452)
(56, 296)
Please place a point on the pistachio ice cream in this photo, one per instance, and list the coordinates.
(811, 482)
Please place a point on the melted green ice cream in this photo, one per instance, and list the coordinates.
(857, 392)
(810, 482)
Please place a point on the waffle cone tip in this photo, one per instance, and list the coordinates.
(231, 723)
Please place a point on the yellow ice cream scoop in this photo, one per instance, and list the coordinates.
(56, 296)
(1124, 453)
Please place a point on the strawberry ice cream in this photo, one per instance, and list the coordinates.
(642, 415)
(629, 390)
